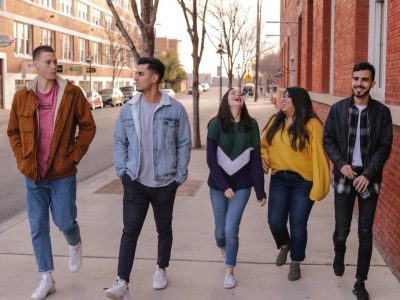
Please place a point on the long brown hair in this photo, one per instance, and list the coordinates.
(225, 116)
(298, 133)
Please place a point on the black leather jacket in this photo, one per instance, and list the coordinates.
(381, 136)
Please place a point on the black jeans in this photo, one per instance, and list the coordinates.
(137, 198)
(344, 205)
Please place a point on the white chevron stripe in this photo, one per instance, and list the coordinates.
(232, 166)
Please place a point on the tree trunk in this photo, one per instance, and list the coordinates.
(196, 96)
(230, 79)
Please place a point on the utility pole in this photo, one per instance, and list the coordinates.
(259, 4)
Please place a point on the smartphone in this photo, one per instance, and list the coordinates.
(365, 194)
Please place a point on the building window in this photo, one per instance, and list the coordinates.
(97, 85)
(47, 37)
(83, 47)
(67, 47)
(96, 15)
(83, 11)
(66, 6)
(108, 21)
(19, 84)
(377, 44)
(96, 53)
(48, 3)
(23, 38)
(108, 55)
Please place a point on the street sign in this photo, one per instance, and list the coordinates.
(75, 69)
(91, 70)
(60, 68)
(5, 40)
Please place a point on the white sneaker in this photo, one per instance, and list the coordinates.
(160, 279)
(229, 282)
(44, 288)
(75, 257)
(119, 290)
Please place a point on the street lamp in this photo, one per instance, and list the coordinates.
(238, 68)
(220, 51)
(89, 60)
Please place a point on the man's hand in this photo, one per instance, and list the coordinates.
(229, 194)
(360, 183)
(265, 164)
(348, 172)
(262, 202)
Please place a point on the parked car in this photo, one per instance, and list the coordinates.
(190, 90)
(248, 89)
(205, 86)
(170, 92)
(112, 97)
(129, 92)
(94, 100)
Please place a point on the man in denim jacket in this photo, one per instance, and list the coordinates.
(152, 146)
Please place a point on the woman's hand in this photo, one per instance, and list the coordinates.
(265, 164)
(229, 194)
(262, 202)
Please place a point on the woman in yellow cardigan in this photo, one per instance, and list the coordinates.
(291, 146)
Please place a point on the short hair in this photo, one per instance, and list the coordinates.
(365, 66)
(155, 65)
(41, 49)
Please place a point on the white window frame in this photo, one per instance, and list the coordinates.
(47, 37)
(96, 16)
(83, 48)
(66, 6)
(47, 3)
(83, 11)
(108, 55)
(377, 45)
(108, 21)
(67, 47)
(23, 39)
(96, 52)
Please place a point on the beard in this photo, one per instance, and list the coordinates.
(361, 93)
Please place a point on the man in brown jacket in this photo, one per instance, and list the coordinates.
(42, 133)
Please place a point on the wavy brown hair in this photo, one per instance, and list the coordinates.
(225, 116)
(298, 133)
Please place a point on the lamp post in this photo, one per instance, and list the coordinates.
(238, 68)
(220, 51)
(89, 60)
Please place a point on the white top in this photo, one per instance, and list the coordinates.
(357, 159)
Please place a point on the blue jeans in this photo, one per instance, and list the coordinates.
(289, 198)
(60, 196)
(228, 214)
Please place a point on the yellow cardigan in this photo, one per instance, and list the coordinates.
(311, 163)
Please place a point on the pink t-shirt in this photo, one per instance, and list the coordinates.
(47, 108)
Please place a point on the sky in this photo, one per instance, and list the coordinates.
(171, 24)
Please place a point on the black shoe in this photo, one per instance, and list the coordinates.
(360, 291)
(338, 264)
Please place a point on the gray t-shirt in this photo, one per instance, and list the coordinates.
(146, 169)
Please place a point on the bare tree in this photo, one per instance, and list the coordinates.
(228, 21)
(191, 14)
(145, 22)
(116, 55)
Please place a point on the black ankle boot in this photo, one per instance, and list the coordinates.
(338, 263)
(360, 291)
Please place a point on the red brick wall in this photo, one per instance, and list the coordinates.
(393, 54)
(387, 229)
(321, 46)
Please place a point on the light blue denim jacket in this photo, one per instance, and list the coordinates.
(171, 140)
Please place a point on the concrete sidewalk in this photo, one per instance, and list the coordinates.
(196, 270)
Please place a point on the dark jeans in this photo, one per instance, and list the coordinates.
(137, 198)
(289, 198)
(344, 205)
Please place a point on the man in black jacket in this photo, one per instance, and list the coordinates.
(358, 139)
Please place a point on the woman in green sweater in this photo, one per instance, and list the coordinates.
(233, 156)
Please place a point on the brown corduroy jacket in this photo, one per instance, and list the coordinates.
(67, 148)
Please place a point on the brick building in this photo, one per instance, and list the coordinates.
(321, 40)
(77, 29)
